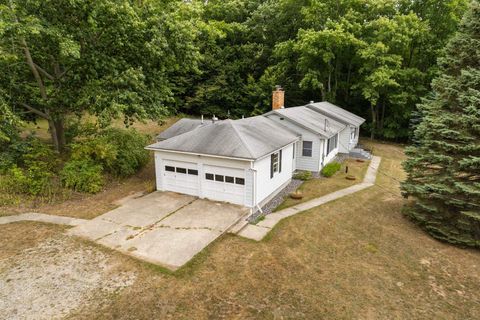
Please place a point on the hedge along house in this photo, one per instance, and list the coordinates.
(245, 162)
(320, 134)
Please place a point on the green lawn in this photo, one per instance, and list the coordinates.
(354, 258)
(315, 188)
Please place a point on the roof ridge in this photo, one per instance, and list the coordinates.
(315, 131)
(232, 123)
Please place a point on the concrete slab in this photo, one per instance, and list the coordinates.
(170, 247)
(147, 210)
(220, 215)
(164, 228)
(119, 237)
(33, 216)
(94, 229)
(254, 232)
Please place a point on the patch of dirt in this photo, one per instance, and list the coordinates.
(56, 276)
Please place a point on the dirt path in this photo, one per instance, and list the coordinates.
(55, 277)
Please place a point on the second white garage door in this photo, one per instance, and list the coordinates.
(224, 184)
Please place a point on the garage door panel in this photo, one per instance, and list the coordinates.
(220, 184)
(181, 177)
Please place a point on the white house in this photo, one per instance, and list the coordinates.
(348, 137)
(248, 161)
(319, 135)
(244, 161)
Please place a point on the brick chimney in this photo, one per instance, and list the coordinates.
(278, 98)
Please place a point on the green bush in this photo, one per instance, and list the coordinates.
(120, 152)
(14, 180)
(82, 175)
(331, 168)
(31, 169)
(131, 155)
(303, 175)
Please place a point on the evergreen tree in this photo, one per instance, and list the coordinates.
(444, 164)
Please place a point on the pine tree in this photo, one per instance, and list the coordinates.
(443, 165)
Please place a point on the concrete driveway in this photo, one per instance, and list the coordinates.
(163, 228)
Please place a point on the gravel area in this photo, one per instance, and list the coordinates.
(277, 200)
(57, 276)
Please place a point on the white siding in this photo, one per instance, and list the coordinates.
(329, 157)
(200, 162)
(344, 140)
(265, 184)
(303, 163)
(354, 142)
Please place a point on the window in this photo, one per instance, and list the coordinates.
(229, 179)
(307, 148)
(332, 143)
(193, 172)
(181, 170)
(240, 181)
(208, 176)
(169, 168)
(275, 163)
(218, 178)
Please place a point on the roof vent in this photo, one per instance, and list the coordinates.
(214, 119)
(312, 102)
(202, 119)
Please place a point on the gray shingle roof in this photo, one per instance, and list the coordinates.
(311, 120)
(180, 127)
(249, 138)
(337, 113)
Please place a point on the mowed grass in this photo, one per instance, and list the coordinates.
(88, 206)
(315, 188)
(354, 258)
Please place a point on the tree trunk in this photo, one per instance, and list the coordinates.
(60, 133)
(374, 121)
(56, 131)
(382, 118)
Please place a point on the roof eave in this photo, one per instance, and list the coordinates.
(199, 154)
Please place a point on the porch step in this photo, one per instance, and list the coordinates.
(236, 228)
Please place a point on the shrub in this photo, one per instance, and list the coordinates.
(31, 172)
(303, 175)
(131, 155)
(331, 168)
(117, 151)
(14, 180)
(82, 175)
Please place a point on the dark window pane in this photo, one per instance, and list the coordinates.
(229, 179)
(181, 170)
(169, 168)
(208, 176)
(193, 172)
(240, 181)
(307, 148)
(218, 177)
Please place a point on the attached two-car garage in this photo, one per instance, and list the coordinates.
(202, 180)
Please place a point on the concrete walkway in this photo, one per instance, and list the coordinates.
(259, 231)
(40, 217)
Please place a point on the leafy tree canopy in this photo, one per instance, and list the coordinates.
(111, 58)
(444, 164)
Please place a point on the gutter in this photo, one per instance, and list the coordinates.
(199, 154)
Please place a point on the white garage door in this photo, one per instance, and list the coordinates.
(180, 177)
(224, 184)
